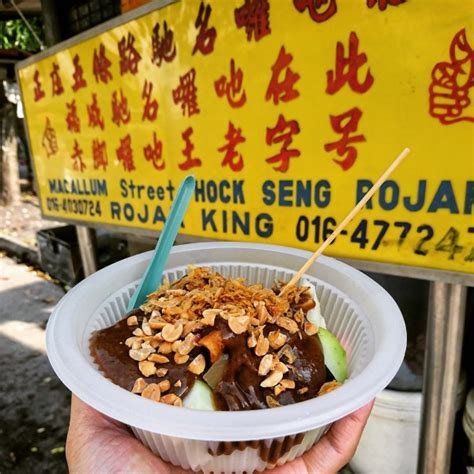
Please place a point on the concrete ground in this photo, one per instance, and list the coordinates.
(34, 405)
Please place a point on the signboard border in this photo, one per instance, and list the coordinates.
(94, 31)
(409, 271)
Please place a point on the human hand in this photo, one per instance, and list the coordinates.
(98, 444)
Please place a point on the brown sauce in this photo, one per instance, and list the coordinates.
(239, 388)
(110, 353)
(269, 453)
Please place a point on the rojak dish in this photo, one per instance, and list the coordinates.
(208, 342)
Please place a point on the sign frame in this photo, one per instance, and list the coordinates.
(424, 273)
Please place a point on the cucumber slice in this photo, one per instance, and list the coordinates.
(334, 355)
(200, 397)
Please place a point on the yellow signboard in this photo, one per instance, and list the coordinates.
(285, 111)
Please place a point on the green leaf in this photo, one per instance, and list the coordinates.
(15, 34)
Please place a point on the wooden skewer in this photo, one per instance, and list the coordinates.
(346, 221)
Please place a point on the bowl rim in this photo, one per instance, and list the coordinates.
(100, 393)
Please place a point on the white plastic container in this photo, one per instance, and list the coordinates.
(390, 440)
(357, 310)
(395, 422)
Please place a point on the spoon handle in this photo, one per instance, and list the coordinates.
(152, 278)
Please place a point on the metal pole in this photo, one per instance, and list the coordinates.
(446, 312)
(453, 351)
(87, 247)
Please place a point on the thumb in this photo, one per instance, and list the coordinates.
(460, 50)
(338, 445)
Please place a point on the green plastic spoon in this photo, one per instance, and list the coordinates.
(152, 277)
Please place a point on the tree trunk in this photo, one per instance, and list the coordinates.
(9, 171)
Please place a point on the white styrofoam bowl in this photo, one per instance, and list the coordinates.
(357, 310)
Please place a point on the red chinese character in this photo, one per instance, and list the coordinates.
(232, 87)
(283, 133)
(78, 75)
(56, 83)
(95, 114)
(154, 152)
(120, 110)
(316, 9)
(125, 154)
(254, 16)
(99, 154)
(383, 3)
(163, 48)
(190, 162)
(72, 119)
(77, 161)
(129, 56)
(452, 83)
(49, 140)
(185, 93)
(347, 69)
(282, 89)
(206, 36)
(233, 159)
(346, 124)
(39, 92)
(101, 66)
(150, 109)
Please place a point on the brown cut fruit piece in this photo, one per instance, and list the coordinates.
(214, 343)
(307, 304)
